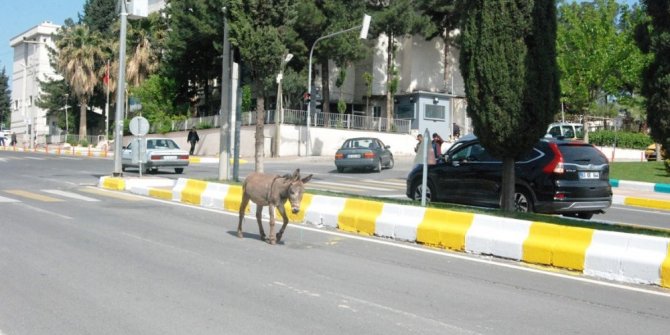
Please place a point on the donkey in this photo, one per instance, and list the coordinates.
(272, 191)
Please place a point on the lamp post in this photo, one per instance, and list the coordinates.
(365, 26)
(279, 111)
(120, 93)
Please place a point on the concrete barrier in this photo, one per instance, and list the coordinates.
(617, 256)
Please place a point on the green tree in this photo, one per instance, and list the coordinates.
(508, 61)
(194, 44)
(596, 55)
(157, 95)
(443, 18)
(395, 19)
(654, 39)
(54, 95)
(321, 18)
(258, 28)
(79, 50)
(5, 99)
(101, 16)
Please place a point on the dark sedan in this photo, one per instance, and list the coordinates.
(364, 153)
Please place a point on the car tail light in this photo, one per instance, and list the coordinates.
(156, 157)
(559, 196)
(369, 155)
(339, 156)
(182, 157)
(556, 164)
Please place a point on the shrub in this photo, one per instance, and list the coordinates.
(204, 125)
(623, 139)
(83, 143)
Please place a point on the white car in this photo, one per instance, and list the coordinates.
(160, 153)
(566, 130)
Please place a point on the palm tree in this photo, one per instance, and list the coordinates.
(143, 62)
(79, 52)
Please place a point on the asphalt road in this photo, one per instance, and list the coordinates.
(76, 259)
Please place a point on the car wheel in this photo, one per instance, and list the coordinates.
(378, 168)
(340, 169)
(523, 202)
(123, 168)
(417, 188)
(178, 170)
(390, 164)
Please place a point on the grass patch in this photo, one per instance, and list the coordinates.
(650, 172)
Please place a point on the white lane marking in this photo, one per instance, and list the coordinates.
(443, 253)
(351, 186)
(37, 209)
(3, 199)
(35, 158)
(70, 195)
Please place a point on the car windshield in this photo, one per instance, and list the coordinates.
(359, 143)
(161, 144)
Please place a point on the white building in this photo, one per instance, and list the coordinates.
(30, 64)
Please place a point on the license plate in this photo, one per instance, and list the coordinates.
(354, 156)
(589, 175)
(169, 158)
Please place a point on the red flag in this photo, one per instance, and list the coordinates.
(105, 79)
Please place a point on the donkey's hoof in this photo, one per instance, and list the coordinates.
(239, 234)
(279, 237)
(272, 241)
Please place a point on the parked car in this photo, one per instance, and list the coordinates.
(566, 130)
(364, 153)
(160, 153)
(555, 177)
(650, 153)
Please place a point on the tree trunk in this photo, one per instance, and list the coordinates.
(82, 118)
(389, 79)
(508, 181)
(260, 140)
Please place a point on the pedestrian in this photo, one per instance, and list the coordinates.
(419, 139)
(456, 131)
(437, 145)
(193, 139)
(2, 138)
(13, 142)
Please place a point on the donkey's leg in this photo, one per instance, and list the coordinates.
(243, 209)
(259, 218)
(282, 211)
(271, 209)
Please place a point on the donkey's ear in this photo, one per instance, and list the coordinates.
(296, 174)
(306, 179)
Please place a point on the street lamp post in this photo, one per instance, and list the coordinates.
(120, 93)
(279, 111)
(363, 35)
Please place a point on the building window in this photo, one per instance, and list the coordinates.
(376, 111)
(435, 112)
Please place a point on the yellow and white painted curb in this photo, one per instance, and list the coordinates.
(616, 256)
(57, 150)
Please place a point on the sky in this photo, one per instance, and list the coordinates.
(17, 17)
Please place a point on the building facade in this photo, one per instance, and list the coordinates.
(30, 65)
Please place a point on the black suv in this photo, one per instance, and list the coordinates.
(556, 177)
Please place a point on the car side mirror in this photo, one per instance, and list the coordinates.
(387, 146)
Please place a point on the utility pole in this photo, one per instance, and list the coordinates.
(224, 111)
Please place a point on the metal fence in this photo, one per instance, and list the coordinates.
(331, 120)
(290, 116)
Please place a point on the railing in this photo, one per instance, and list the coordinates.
(332, 120)
(290, 116)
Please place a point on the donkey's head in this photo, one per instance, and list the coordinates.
(295, 190)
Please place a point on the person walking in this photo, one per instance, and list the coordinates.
(192, 138)
(437, 146)
(13, 142)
